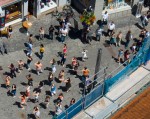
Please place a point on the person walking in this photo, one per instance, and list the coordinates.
(105, 18)
(29, 60)
(12, 70)
(63, 32)
(63, 59)
(10, 31)
(38, 66)
(68, 84)
(23, 101)
(41, 33)
(111, 28)
(29, 49)
(42, 50)
(50, 78)
(30, 80)
(129, 37)
(119, 38)
(51, 32)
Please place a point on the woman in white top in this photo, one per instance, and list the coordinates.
(84, 52)
(105, 18)
(41, 33)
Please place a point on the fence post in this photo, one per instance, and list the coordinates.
(97, 67)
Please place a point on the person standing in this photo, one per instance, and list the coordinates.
(7, 82)
(61, 75)
(42, 50)
(53, 90)
(65, 48)
(68, 84)
(129, 37)
(36, 96)
(99, 33)
(53, 63)
(119, 38)
(113, 39)
(111, 28)
(51, 32)
(105, 18)
(20, 66)
(89, 36)
(120, 56)
(46, 102)
(85, 72)
(29, 60)
(12, 70)
(38, 66)
(29, 49)
(10, 31)
(84, 57)
(23, 101)
(144, 21)
(50, 78)
(63, 32)
(31, 38)
(13, 91)
(41, 33)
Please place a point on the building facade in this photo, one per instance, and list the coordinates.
(115, 8)
(13, 11)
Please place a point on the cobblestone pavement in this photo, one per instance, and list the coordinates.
(16, 46)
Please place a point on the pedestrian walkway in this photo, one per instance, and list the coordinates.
(118, 95)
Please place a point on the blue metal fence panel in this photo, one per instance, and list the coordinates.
(75, 109)
(62, 115)
(94, 95)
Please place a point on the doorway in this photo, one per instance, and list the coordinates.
(31, 7)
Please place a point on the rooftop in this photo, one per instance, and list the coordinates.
(139, 108)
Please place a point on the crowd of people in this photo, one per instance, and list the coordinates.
(115, 39)
(29, 93)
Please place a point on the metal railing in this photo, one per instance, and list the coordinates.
(105, 83)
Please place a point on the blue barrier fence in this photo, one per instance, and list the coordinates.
(140, 58)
